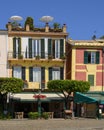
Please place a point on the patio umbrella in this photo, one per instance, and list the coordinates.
(16, 18)
(46, 19)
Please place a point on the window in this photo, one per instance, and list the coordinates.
(34, 48)
(16, 47)
(57, 48)
(36, 74)
(91, 57)
(56, 73)
(91, 79)
(19, 72)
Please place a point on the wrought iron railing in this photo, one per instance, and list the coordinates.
(37, 55)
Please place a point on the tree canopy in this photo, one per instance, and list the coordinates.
(68, 86)
(30, 21)
(10, 85)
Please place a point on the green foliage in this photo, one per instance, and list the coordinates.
(4, 117)
(30, 21)
(68, 86)
(10, 85)
(56, 25)
(102, 37)
(33, 115)
(45, 115)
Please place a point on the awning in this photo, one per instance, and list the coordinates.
(83, 98)
(99, 96)
(89, 97)
(29, 97)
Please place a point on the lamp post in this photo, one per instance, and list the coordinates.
(39, 96)
(39, 103)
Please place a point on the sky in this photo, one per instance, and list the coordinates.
(83, 18)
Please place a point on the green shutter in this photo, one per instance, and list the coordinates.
(30, 74)
(30, 47)
(14, 47)
(61, 73)
(97, 57)
(85, 57)
(50, 73)
(61, 48)
(42, 77)
(42, 49)
(19, 46)
(91, 79)
(49, 47)
(23, 73)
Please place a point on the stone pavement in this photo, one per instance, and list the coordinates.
(52, 124)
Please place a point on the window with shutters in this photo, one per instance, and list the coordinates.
(55, 73)
(36, 48)
(36, 74)
(91, 79)
(91, 57)
(16, 47)
(19, 72)
(57, 48)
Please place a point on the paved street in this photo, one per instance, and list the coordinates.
(52, 124)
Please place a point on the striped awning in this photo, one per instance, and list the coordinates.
(33, 97)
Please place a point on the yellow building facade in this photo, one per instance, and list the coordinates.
(29, 56)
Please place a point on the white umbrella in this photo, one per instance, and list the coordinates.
(16, 18)
(46, 19)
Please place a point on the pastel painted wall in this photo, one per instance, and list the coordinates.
(32, 62)
(3, 55)
(80, 71)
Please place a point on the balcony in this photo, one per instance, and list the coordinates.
(26, 56)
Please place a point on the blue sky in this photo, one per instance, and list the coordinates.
(83, 18)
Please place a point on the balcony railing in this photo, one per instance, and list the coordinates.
(37, 55)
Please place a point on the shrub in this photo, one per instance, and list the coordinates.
(33, 115)
(45, 115)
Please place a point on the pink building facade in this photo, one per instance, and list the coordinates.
(86, 62)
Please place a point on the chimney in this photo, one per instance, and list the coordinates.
(27, 27)
(9, 26)
(64, 28)
(46, 28)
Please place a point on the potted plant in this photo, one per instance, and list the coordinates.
(37, 57)
(20, 56)
(50, 57)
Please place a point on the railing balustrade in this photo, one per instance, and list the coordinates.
(34, 55)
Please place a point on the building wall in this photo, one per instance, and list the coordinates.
(3, 54)
(80, 70)
(32, 62)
